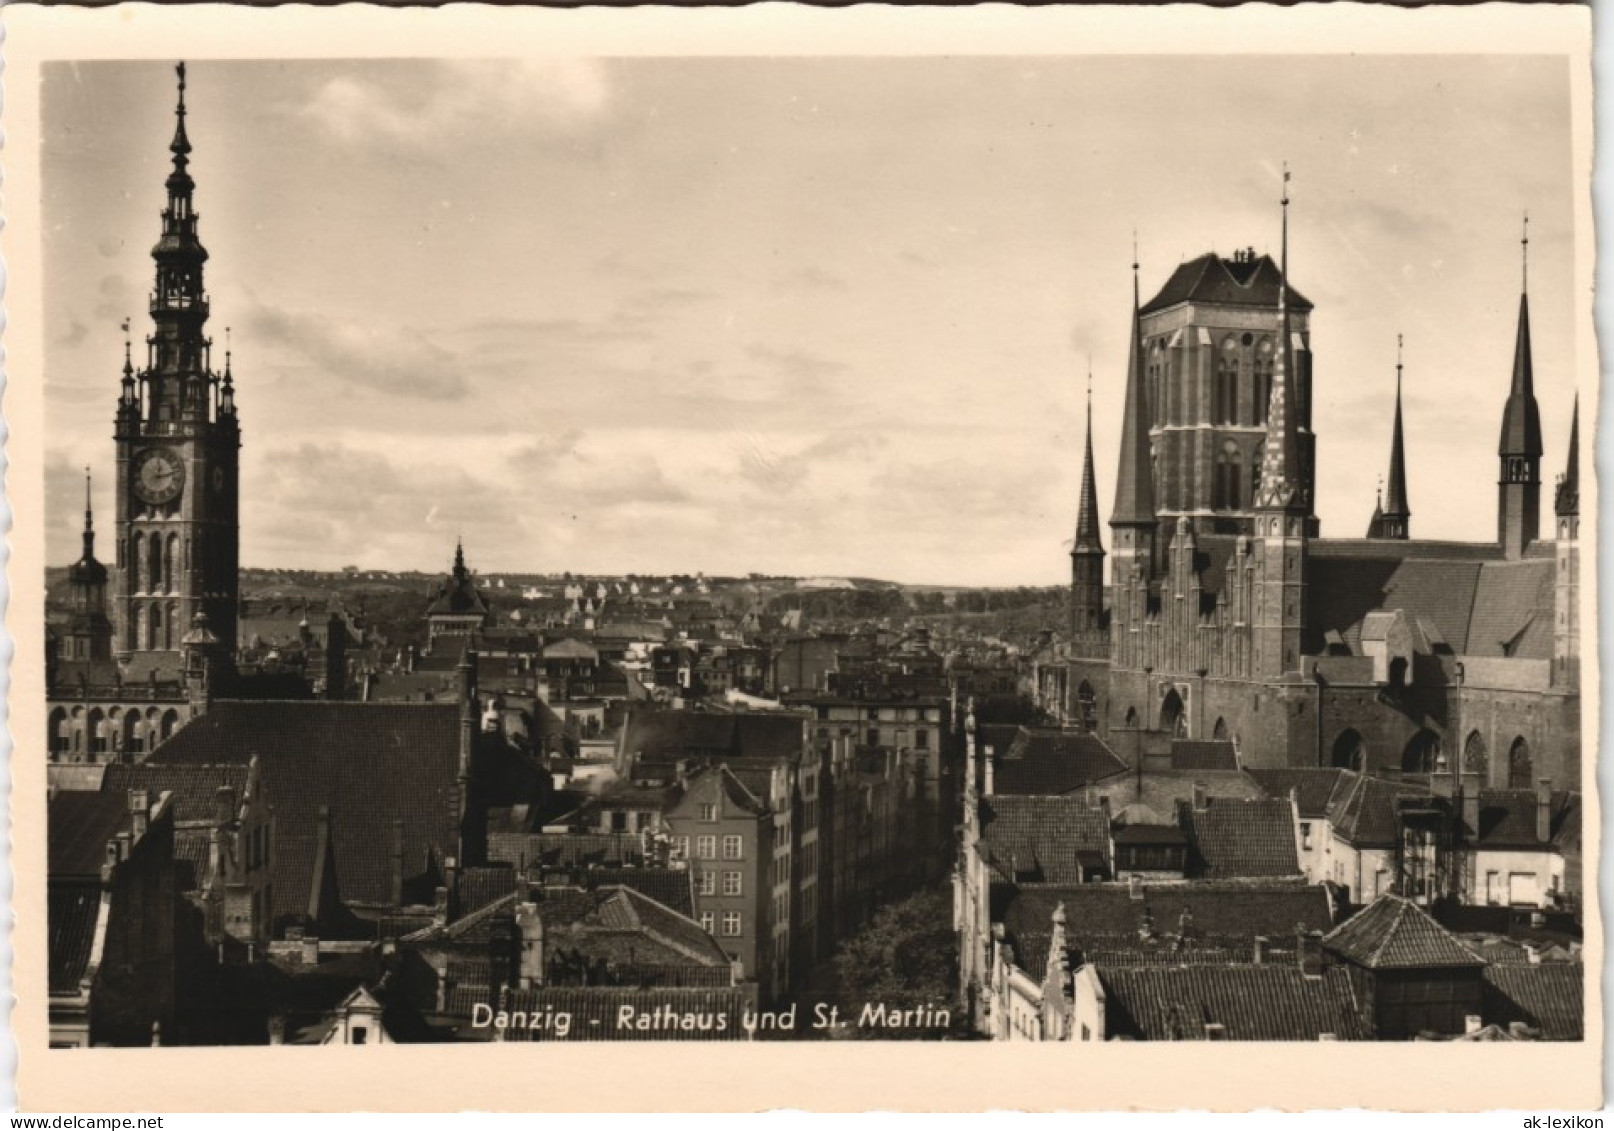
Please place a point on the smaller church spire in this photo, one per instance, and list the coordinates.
(460, 572)
(1566, 502)
(1397, 513)
(1280, 455)
(1134, 485)
(1088, 539)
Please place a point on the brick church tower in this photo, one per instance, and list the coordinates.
(178, 452)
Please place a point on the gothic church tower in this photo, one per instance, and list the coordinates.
(178, 451)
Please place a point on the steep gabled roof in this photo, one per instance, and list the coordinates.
(366, 763)
(1051, 762)
(1055, 838)
(1235, 839)
(1550, 997)
(194, 787)
(1248, 1003)
(1393, 933)
(1313, 787)
(78, 825)
(1226, 282)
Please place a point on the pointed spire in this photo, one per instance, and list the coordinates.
(460, 572)
(1396, 510)
(1134, 485)
(1280, 454)
(1521, 421)
(1567, 502)
(1088, 538)
(181, 145)
(89, 520)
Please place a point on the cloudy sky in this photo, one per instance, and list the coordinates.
(809, 316)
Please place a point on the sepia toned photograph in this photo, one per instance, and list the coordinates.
(833, 548)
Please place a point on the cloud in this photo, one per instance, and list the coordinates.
(572, 472)
(399, 361)
(119, 298)
(550, 96)
(796, 364)
(74, 335)
(811, 278)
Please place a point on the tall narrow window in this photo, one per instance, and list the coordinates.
(1263, 379)
(1229, 482)
(1225, 394)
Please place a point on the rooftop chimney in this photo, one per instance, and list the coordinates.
(986, 770)
(139, 812)
(1309, 948)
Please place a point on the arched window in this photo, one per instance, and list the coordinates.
(1173, 719)
(60, 734)
(171, 563)
(95, 728)
(1225, 392)
(1476, 759)
(1263, 379)
(133, 734)
(1229, 481)
(1350, 752)
(1520, 769)
(170, 723)
(154, 560)
(1219, 731)
(1132, 716)
(171, 628)
(1422, 753)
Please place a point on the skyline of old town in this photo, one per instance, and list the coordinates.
(631, 397)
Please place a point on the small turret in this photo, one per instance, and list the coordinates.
(1518, 509)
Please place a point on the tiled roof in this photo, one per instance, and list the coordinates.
(627, 909)
(1210, 278)
(195, 787)
(713, 1014)
(1513, 610)
(657, 733)
(670, 887)
(1340, 593)
(1550, 997)
(1365, 811)
(1189, 754)
(1313, 787)
(1051, 762)
(478, 887)
(368, 763)
(1163, 789)
(1507, 818)
(1042, 836)
(71, 915)
(1233, 839)
(1098, 914)
(78, 826)
(1393, 933)
(1250, 1003)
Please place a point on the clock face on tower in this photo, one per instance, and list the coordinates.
(159, 476)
